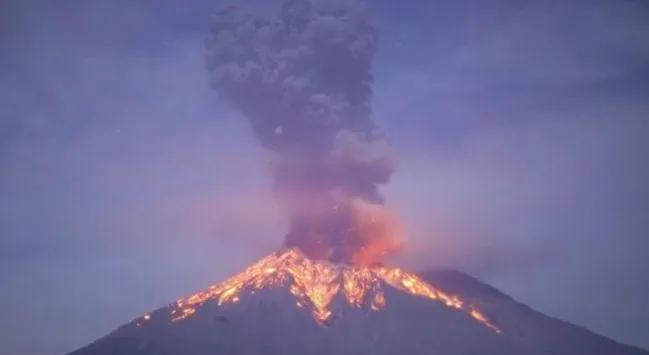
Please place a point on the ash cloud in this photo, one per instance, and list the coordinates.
(303, 80)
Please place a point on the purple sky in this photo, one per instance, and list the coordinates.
(521, 130)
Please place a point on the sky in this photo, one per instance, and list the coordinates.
(521, 130)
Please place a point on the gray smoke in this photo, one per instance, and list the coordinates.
(303, 80)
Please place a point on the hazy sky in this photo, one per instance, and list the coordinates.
(521, 129)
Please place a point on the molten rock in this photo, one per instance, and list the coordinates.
(316, 283)
(287, 303)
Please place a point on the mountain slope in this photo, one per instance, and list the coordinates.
(268, 322)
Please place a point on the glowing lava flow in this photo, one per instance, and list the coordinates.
(316, 283)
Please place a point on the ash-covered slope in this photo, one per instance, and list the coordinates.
(268, 322)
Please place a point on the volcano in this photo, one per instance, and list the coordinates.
(287, 303)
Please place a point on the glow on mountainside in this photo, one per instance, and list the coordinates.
(315, 283)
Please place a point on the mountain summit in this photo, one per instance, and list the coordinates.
(287, 303)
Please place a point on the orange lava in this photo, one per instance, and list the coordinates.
(315, 283)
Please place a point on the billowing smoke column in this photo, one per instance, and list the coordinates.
(303, 81)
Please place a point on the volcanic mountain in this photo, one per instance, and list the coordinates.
(287, 303)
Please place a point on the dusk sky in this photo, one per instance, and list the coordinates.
(520, 128)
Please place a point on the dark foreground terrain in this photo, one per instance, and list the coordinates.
(269, 322)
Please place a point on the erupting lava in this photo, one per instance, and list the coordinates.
(315, 283)
(304, 81)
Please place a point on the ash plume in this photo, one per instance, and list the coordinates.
(303, 80)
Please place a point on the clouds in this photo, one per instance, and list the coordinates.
(521, 130)
(304, 80)
(308, 72)
(522, 143)
(107, 150)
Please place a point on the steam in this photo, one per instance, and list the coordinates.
(303, 81)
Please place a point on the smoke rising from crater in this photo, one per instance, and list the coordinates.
(303, 80)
